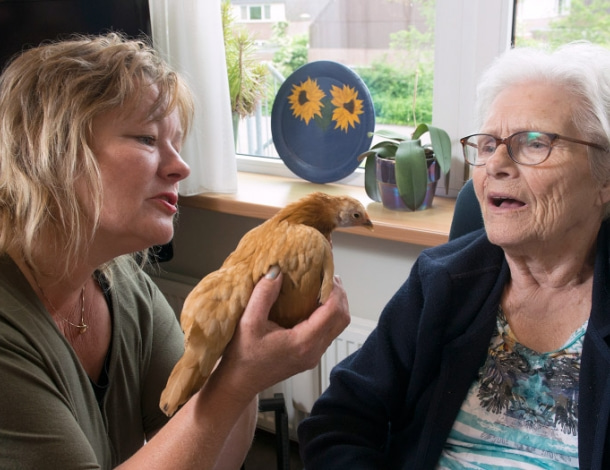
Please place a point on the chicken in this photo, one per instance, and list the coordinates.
(298, 240)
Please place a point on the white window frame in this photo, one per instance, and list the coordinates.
(469, 34)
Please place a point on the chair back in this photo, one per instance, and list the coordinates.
(467, 216)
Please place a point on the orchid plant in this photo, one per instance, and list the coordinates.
(412, 161)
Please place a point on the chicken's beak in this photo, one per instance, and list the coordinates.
(368, 224)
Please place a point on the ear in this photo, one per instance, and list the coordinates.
(604, 193)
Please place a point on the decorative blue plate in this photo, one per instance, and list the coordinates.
(320, 119)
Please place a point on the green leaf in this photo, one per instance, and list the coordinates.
(411, 173)
(366, 154)
(325, 119)
(419, 131)
(389, 134)
(384, 149)
(384, 144)
(370, 179)
(387, 150)
(441, 143)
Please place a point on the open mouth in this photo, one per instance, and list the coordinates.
(506, 202)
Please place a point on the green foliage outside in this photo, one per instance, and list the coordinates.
(402, 89)
(588, 20)
(247, 77)
(292, 52)
(392, 90)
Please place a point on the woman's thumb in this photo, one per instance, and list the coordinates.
(265, 293)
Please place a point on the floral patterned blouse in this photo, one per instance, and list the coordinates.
(522, 410)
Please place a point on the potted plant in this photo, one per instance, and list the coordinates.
(247, 75)
(402, 173)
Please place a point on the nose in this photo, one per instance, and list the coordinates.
(173, 166)
(500, 162)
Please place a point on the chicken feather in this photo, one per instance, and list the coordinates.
(298, 240)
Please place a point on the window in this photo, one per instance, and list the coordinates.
(444, 43)
(450, 41)
(389, 43)
(255, 12)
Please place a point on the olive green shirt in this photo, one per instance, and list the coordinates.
(49, 416)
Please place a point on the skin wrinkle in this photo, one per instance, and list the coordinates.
(542, 216)
(549, 240)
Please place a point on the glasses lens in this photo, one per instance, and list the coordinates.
(478, 148)
(530, 148)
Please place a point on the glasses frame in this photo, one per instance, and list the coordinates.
(499, 141)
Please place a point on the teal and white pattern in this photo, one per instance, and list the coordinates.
(522, 411)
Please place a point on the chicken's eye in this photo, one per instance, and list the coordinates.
(356, 215)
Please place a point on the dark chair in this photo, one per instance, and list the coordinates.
(467, 215)
(282, 441)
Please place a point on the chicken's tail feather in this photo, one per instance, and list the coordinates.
(183, 382)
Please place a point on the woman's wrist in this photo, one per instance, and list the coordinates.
(229, 384)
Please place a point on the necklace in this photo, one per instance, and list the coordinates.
(82, 326)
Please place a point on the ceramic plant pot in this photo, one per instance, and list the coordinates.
(386, 182)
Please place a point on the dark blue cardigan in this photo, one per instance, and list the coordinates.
(392, 404)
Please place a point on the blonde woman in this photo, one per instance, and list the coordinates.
(90, 137)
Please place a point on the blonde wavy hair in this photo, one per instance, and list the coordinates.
(49, 97)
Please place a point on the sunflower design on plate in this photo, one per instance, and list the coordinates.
(306, 100)
(347, 106)
(320, 121)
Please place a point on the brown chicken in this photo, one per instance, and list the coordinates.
(298, 240)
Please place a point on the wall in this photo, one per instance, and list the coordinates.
(371, 269)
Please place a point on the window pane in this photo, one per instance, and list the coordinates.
(389, 43)
(256, 13)
(556, 22)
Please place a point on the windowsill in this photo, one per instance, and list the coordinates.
(261, 196)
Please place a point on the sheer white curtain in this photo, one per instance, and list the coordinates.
(188, 33)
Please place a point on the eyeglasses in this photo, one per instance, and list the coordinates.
(525, 147)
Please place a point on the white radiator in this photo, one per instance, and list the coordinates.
(302, 390)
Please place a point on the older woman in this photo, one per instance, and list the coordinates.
(494, 353)
(90, 135)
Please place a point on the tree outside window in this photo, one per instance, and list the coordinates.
(561, 21)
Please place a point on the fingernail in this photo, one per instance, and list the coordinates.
(273, 272)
